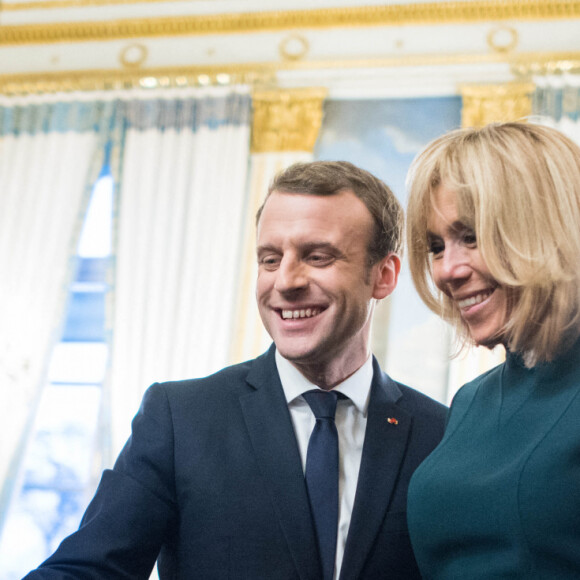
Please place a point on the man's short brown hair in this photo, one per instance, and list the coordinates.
(332, 177)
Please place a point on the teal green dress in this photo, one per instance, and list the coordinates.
(499, 497)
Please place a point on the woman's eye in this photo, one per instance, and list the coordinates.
(436, 247)
(469, 238)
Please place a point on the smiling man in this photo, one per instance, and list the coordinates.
(294, 465)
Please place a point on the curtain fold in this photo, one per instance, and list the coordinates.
(556, 102)
(182, 195)
(50, 152)
(179, 160)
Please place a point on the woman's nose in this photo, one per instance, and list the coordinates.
(452, 266)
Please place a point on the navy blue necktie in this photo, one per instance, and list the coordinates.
(322, 476)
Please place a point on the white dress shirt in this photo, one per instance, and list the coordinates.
(351, 422)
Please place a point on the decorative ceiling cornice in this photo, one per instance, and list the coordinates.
(263, 75)
(51, 4)
(93, 80)
(237, 23)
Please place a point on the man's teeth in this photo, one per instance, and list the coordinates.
(305, 313)
(477, 299)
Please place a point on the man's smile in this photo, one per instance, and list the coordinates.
(300, 313)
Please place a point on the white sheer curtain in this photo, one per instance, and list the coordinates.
(50, 150)
(182, 199)
(556, 103)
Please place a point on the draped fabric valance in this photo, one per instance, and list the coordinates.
(163, 109)
(51, 117)
(163, 114)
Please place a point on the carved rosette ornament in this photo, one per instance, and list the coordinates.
(286, 120)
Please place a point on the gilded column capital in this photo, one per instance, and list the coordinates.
(286, 120)
(495, 103)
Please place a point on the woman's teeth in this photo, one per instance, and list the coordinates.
(472, 300)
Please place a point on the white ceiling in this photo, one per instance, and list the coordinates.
(355, 49)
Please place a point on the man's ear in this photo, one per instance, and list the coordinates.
(386, 276)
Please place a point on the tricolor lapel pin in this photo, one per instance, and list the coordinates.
(393, 421)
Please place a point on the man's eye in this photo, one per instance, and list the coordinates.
(320, 259)
(269, 262)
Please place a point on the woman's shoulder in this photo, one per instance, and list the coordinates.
(486, 380)
(483, 385)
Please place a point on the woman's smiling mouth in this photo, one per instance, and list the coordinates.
(476, 299)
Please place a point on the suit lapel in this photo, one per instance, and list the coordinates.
(272, 434)
(382, 457)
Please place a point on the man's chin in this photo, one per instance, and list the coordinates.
(297, 353)
(293, 355)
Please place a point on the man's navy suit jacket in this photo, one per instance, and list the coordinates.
(211, 482)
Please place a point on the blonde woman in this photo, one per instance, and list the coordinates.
(494, 248)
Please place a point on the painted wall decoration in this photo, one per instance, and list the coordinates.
(383, 136)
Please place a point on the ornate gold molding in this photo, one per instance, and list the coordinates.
(525, 68)
(265, 75)
(492, 103)
(97, 80)
(293, 47)
(133, 55)
(256, 74)
(286, 120)
(502, 38)
(384, 15)
(51, 4)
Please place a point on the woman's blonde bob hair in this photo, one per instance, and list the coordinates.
(518, 186)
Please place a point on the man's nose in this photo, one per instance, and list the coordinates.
(291, 275)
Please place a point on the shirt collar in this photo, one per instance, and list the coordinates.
(357, 387)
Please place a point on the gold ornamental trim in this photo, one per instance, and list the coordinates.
(133, 56)
(51, 4)
(527, 67)
(503, 38)
(286, 120)
(485, 104)
(99, 80)
(265, 75)
(237, 23)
